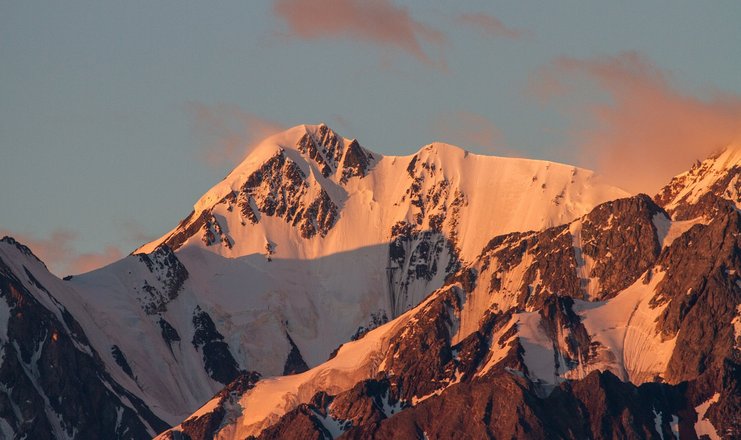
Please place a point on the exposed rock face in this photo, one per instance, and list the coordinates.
(620, 235)
(52, 382)
(571, 342)
(169, 334)
(702, 290)
(415, 255)
(217, 359)
(121, 361)
(279, 188)
(329, 152)
(591, 258)
(169, 274)
(295, 362)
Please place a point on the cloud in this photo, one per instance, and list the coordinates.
(489, 25)
(88, 261)
(469, 130)
(134, 233)
(227, 132)
(379, 22)
(58, 252)
(638, 129)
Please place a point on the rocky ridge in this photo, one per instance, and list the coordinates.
(605, 327)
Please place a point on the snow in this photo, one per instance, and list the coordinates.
(334, 426)
(696, 183)
(736, 323)
(669, 230)
(675, 426)
(497, 352)
(273, 397)
(318, 290)
(703, 425)
(584, 263)
(538, 348)
(657, 424)
(625, 326)
(388, 408)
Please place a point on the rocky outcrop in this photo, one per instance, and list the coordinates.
(621, 239)
(415, 257)
(702, 292)
(169, 275)
(329, 152)
(217, 359)
(294, 362)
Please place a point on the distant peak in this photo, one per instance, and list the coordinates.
(22, 248)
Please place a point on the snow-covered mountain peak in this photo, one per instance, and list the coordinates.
(307, 192)
(315, 149)
(691, 193)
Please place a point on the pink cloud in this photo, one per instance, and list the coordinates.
(228, 133)
(378, 22)
(645, 130)
(59, 254)
(469, 130)
(489, 25)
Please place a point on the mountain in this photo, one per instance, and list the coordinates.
(324, 290)
(307, 244)
(623, 323)
(53, 381)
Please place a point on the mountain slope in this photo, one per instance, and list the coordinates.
(53, 382)
(622, 323)
(308, 243)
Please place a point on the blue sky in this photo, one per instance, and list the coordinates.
(116, 116)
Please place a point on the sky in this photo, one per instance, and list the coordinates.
(116, 116)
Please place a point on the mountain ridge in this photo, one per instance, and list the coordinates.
(421, 267)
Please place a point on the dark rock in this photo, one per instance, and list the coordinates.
(170, 275)
(120, 359)
(701, 286)
(295, 362)
(621, 238)
(169, 334)
(217, 358)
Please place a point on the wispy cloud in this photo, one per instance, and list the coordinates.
(643, 130)
(489, 25)
(134, 233)
(228, 133)
(379, 22)
(469, 130)
(59, 253)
